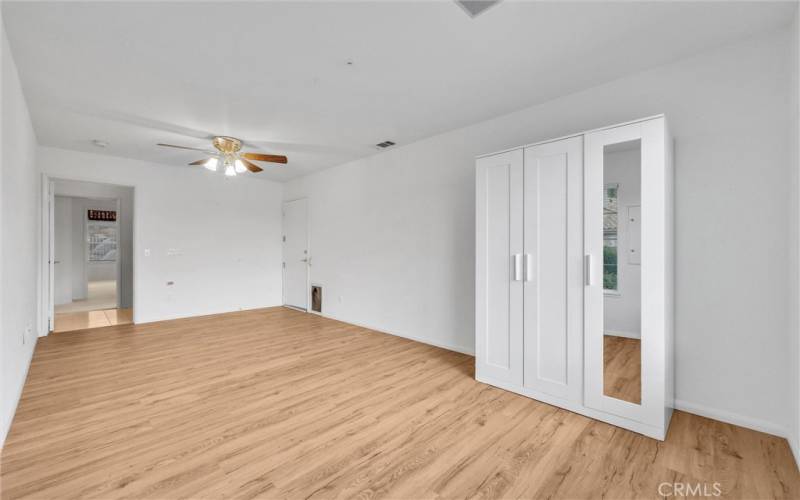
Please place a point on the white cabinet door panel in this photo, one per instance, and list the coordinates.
(553, 306)
(498, 267)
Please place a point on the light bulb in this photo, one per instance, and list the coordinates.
(211, 164)
(239, 166)
(230, 171)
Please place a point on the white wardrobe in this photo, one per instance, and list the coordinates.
(574, 272)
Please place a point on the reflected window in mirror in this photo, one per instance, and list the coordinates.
(622, 272)
(610, 238)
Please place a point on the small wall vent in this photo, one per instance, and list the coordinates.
(384, 144)
(474, 8)
(316, 298)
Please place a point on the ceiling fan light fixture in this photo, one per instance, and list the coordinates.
(211, 164)
(230, 171)
(239, 166)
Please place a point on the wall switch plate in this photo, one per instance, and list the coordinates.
(147, 252)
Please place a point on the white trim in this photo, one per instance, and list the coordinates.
(732, 418)
(794, 445)
(449, 347)
(44, 267)
(569, 136)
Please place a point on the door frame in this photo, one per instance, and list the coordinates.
(46, 289)
(308, 255)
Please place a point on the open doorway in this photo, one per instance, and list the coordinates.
(91, 253)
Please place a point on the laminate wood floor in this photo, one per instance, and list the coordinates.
(81, 320)
(274, 403)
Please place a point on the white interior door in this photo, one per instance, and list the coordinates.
(295, 254)
(49, 196)
(553, 290)
(499, 268)
(63, 250)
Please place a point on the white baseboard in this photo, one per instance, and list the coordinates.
(627, 335)
(733, 418)
(462, 350)
(794, 444)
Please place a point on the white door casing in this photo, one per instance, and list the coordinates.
(295, 254)
(553, 290)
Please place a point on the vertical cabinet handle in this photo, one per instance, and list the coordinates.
(587, 270)
(528, 267)
(517, 266)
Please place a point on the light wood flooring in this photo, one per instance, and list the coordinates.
(275, 403)
(100, 295)
(81, 320)
(622, 368)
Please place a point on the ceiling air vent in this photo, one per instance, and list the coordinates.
(384, 144)
(474, 8)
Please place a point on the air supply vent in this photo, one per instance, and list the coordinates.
(474, 8)
(384, 144)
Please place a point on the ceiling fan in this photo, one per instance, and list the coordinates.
(229, 153)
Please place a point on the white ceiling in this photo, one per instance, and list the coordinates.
(138, 73)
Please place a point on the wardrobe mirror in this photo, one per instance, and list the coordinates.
(622, 316)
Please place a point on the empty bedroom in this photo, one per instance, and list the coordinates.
(404, 250)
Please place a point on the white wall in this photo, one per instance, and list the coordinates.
(393, 235)
(622, 312)
(217, 239)
(794, 230)
(19, 211)
(78, 287)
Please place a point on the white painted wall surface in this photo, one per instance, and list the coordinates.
(393, 235)
(108, 193)
(217, 239)
(79, 286)
(19, 211)
(794, 231)
(622, 312)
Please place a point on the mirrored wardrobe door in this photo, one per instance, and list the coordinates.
(613, 261)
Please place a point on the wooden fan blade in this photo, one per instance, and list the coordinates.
(251, 166)
(199, 162)
(263, 157)
(184, 147)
